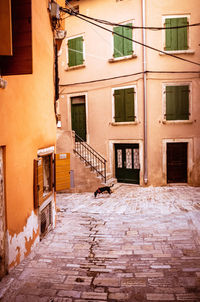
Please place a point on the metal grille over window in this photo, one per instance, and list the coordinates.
(136, 159)
(119, 158)
(129, 164)
(45, 219)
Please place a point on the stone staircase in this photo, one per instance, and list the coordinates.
(86, 173)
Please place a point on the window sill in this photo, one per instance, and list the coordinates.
(178, 122)
(177, 52)
(75, 67)
(124, 123)
(114, 60)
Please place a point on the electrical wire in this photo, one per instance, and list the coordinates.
(129, 75)
(137, 42)
(124, 25)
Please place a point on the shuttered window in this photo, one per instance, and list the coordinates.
(124, 105)
(177, 102)
(75, 51)
(122, 46)
(176, 38)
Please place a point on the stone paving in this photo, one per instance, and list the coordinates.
(138, 244)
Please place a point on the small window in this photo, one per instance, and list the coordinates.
(75, 51)
(176, 38)
(124, 105)
(177, 102)
(122, 46)
(47, 174)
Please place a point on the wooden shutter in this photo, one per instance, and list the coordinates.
(129, 105)
(38, 182)
(177, 102)
(21, 60)
(168, 36)
(118, 42)
(176, 38)
(79, 48)
(62, 171)
(183, 113)
(128, 45)
(5, 28)
(119, 105)
(75, 51)
(171, 96)
(71, 52)
(182, 34)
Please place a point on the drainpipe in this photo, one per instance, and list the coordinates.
(144, 90)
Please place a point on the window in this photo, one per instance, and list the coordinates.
(122, 46)
(124, 105)
(45, 175)
(177, 102)
(176, 38)
(75, 51)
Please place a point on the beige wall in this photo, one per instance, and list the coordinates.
(99, 49)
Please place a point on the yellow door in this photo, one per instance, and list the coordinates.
(62, 171)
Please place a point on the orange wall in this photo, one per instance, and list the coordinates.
(28, 122)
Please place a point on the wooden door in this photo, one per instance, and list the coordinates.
(177, 162)
(127, 166)
(78, 113)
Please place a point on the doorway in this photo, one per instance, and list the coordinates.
(177, 165)
(78, 114)
(127, 165)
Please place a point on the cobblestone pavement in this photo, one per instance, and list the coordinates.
(138, 244)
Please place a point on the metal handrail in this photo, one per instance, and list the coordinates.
(90, 156)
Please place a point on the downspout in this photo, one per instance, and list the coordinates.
(144, 90)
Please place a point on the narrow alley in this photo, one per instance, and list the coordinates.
(137, 244)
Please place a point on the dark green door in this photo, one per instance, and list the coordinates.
(79, 116)
(127, 166)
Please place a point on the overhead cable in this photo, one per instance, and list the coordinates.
(129, 75)
(137, 42)
(128, 26)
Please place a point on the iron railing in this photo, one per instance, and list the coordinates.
(91, 157)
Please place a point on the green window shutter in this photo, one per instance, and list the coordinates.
(168, 35)
(128, 45)
(182, 34)
(118, 42)
(79, 48)
(171, 97)
(129, 105)
(75, 51)
(176, 38)
(119, 105)
(177, 102)
(183, 113)
(71, 52)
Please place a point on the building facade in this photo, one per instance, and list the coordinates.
(132, 91)
(27, 128)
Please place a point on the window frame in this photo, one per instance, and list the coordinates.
(124, 57)
(188, 50)
(67, 52)
(114, 123)
(164, 85)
